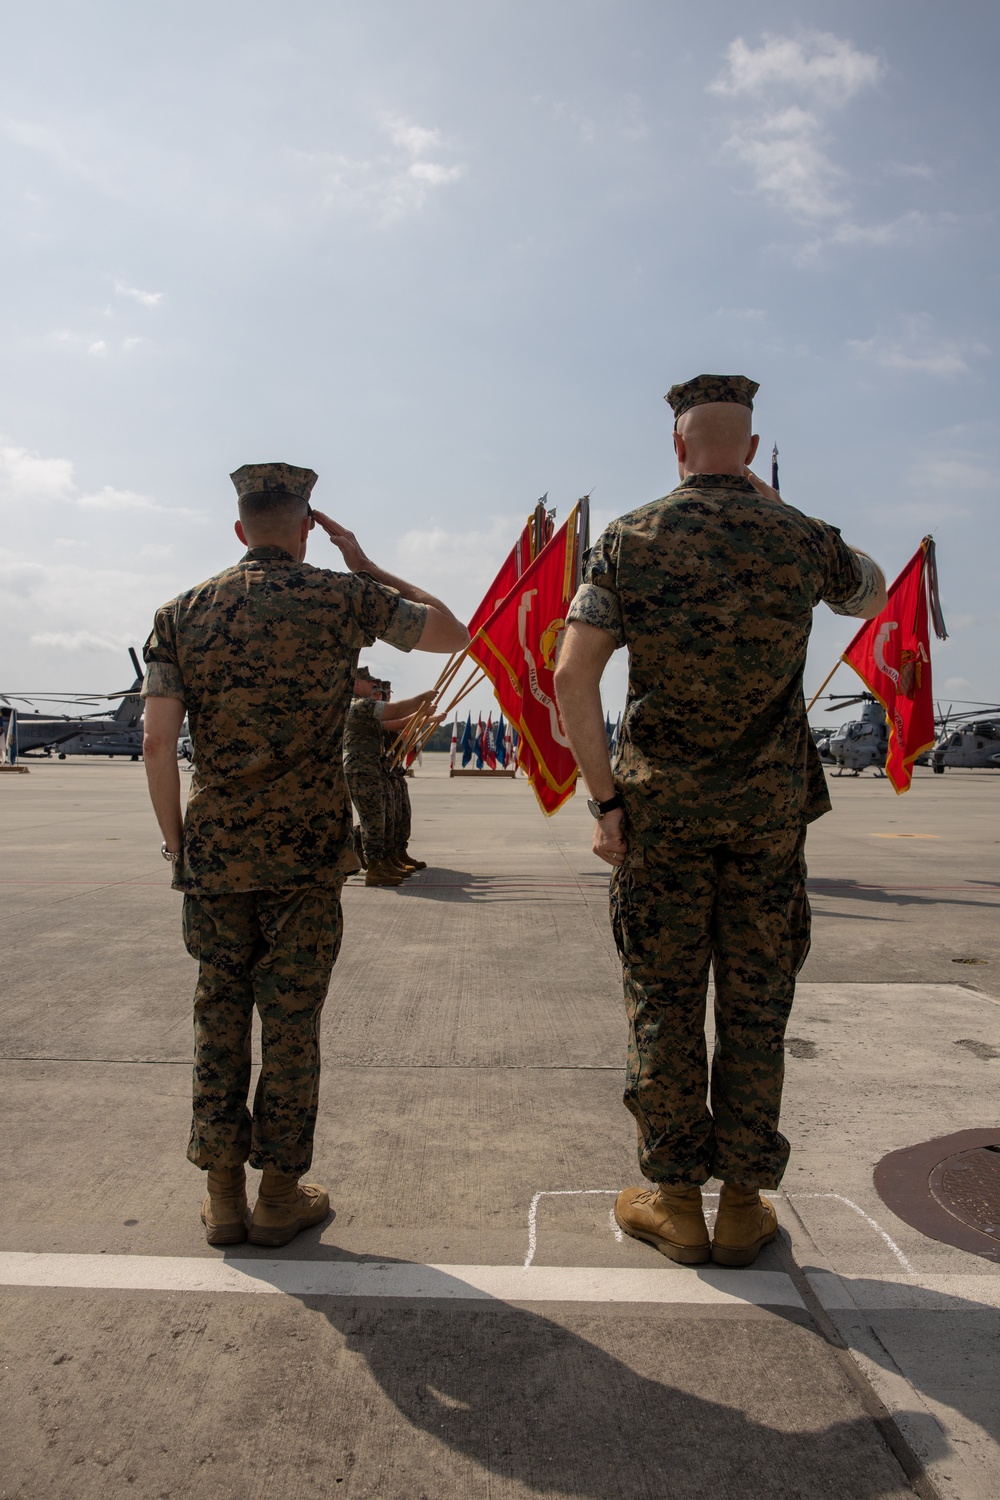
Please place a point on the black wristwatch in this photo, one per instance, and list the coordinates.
(600, 808)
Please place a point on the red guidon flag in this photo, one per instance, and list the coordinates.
(891, 654)
(537, 529)
(516, 647)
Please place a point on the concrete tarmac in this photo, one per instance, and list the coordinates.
(470, 1323)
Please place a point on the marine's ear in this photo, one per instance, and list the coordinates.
(238, 528)
(751, 450)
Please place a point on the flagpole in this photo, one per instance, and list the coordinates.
(822, 685)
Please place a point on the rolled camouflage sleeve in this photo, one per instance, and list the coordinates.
(596, 601)
(163, 676)
(866, 591)
(383, 614)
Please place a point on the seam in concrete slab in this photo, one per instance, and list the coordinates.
(888, 1429)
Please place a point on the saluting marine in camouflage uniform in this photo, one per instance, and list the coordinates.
(262, 658)
(712, 590)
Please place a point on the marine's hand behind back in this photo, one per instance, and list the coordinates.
(610, 843)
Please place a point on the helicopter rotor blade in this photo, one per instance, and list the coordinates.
(846, 703)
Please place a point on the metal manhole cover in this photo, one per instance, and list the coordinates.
(968, 1186)
(948, 1188)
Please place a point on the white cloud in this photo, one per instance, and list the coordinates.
(98, 348)
(26, 477)
(414, 139)
(957, 684)
(84, 640)
(148, 299)
(953, 470)
(742, 314)
(108, 498)
(794, 86)
(916, 348)
(52, 144)
(785, 154)
(817, 64)
(390, 185)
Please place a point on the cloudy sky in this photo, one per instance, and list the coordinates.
(451, 255)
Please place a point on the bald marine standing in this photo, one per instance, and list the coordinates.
(262, 658)
(704, 815)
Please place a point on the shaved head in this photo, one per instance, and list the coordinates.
(715, 438)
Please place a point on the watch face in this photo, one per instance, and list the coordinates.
(595, 808)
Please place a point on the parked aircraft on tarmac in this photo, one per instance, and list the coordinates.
(81, 734)
(861, 742)
(968, 744)
(864, 742)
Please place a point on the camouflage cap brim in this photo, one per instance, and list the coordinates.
(255, 479)
(704, 389)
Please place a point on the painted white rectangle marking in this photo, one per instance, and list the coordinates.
(357, 1279)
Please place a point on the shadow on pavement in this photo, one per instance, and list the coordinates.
(605, 1403)
(853, 890)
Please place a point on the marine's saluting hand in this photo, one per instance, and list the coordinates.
(761, 487)
(354, 555)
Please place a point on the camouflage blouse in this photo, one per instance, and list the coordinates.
(712, 589)
(363, 732)
(263, 657)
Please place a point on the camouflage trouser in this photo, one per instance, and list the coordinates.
(368, 793)
(401, 815)
(274, 950)
(741, 909)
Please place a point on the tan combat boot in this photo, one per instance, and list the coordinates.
(746, 1223)
(405, 858)
(381, 872)
(284, 1206)
(395, 863)
(224, 1211)
(669, 1218)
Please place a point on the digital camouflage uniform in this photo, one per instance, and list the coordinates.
(712, 589)
(263, 657)
(398, 815)
(365, 776)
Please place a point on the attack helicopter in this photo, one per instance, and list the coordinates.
(864, 742)
(861, 742)
(40, 733)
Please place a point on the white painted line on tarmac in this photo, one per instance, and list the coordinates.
(709, 1286)
(906, 1264)
(563, 1193)
(955, 1293)
(613, 1192)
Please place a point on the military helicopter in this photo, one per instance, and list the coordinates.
(969, 740)
(86, 734)
(861, 742)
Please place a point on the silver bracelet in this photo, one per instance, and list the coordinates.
(171, 855)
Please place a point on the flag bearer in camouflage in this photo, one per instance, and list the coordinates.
(704, 815)
(399, 812)
(364, 748)
(262, 658)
